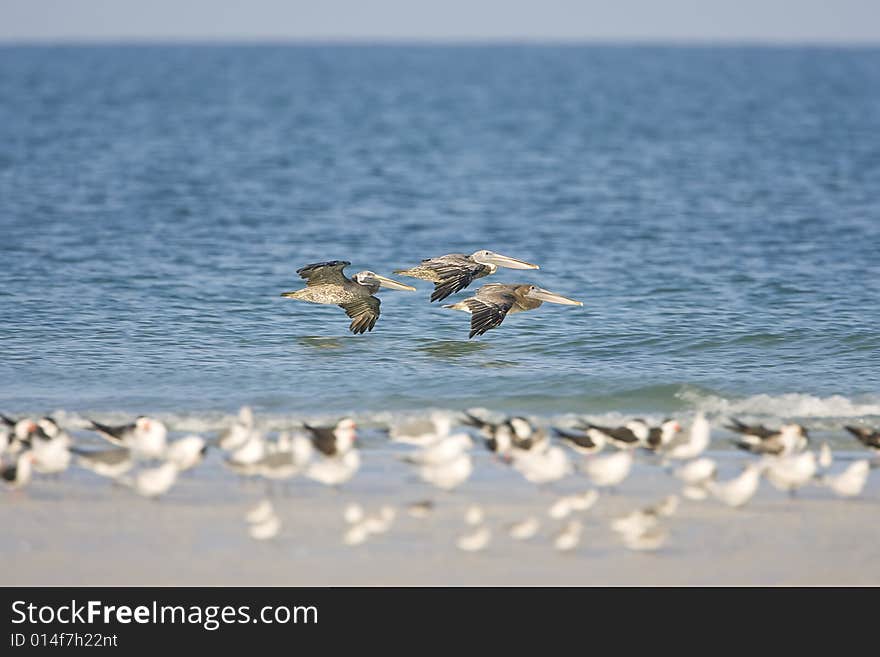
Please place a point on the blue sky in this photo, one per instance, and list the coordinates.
(836, 21)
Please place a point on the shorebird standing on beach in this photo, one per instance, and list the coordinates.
(17, 473)
(609, 471)
(334, 459)
(326, 284)
(110, 463)
(851, 481)
(629, 435)
(145, 436)
(758, 439)
(868, 437)
(692, 445)
(738, 491)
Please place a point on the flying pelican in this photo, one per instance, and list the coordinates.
(453, 272)
(494, 301)
(326, 284)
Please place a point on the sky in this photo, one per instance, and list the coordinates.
(810, 21)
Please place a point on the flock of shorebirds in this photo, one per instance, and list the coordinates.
(439, 451)
(451, 273)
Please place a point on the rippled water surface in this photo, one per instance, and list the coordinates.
(717, 210)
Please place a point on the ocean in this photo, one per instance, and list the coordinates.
(717, 210)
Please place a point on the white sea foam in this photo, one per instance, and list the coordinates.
(791, 405)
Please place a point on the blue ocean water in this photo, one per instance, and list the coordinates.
(717, 210)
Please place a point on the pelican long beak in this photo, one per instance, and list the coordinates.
(506, 261)
(393, 285)
(545, 295)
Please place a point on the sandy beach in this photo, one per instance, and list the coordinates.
(81, 530)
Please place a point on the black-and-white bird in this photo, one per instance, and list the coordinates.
(514, 433)
(758, 439)
(870, 438)
(110, 463)
(145, 436)
(333, 440)
(631, 434)
(588, 442)
(18, 472)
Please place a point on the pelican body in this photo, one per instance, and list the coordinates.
(326, 284)
(453, 272)
(495, 301)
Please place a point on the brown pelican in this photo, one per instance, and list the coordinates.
(326, 284)
(493, 302)
(453, 272)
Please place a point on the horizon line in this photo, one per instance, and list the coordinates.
(243, 40)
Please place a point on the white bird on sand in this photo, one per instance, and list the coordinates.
(266, 529)
(696, 476)
(473, 515)
(568, 503)
(353, 513)
(636, 522)
(475, 541)
(666, 507)
(560, 509)
(640, 521)
(542, 466)
(524, 529)
(356, 534)
(851, 481)
(610, 470)
(569, 537)
(260, 513)
(244, 458)
(422, 432)
(788, 473)
(449, 475)
(153, 482)
(145, 437)
(51, 456)
(651, 539)
(379, 523)
(334, 470)
(442, 450)
(237, 434)
(694, 444)
(697, 472)
(738, 491)
(186, 452)
(111, 463)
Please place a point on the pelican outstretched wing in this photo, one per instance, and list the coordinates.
(486, 315)
(324, 273)
(364, 311)
(454, 273)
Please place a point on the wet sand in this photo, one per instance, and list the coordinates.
(82, 530)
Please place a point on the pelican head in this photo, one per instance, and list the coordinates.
(373, 280)
(540, 294)
(496, 260)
